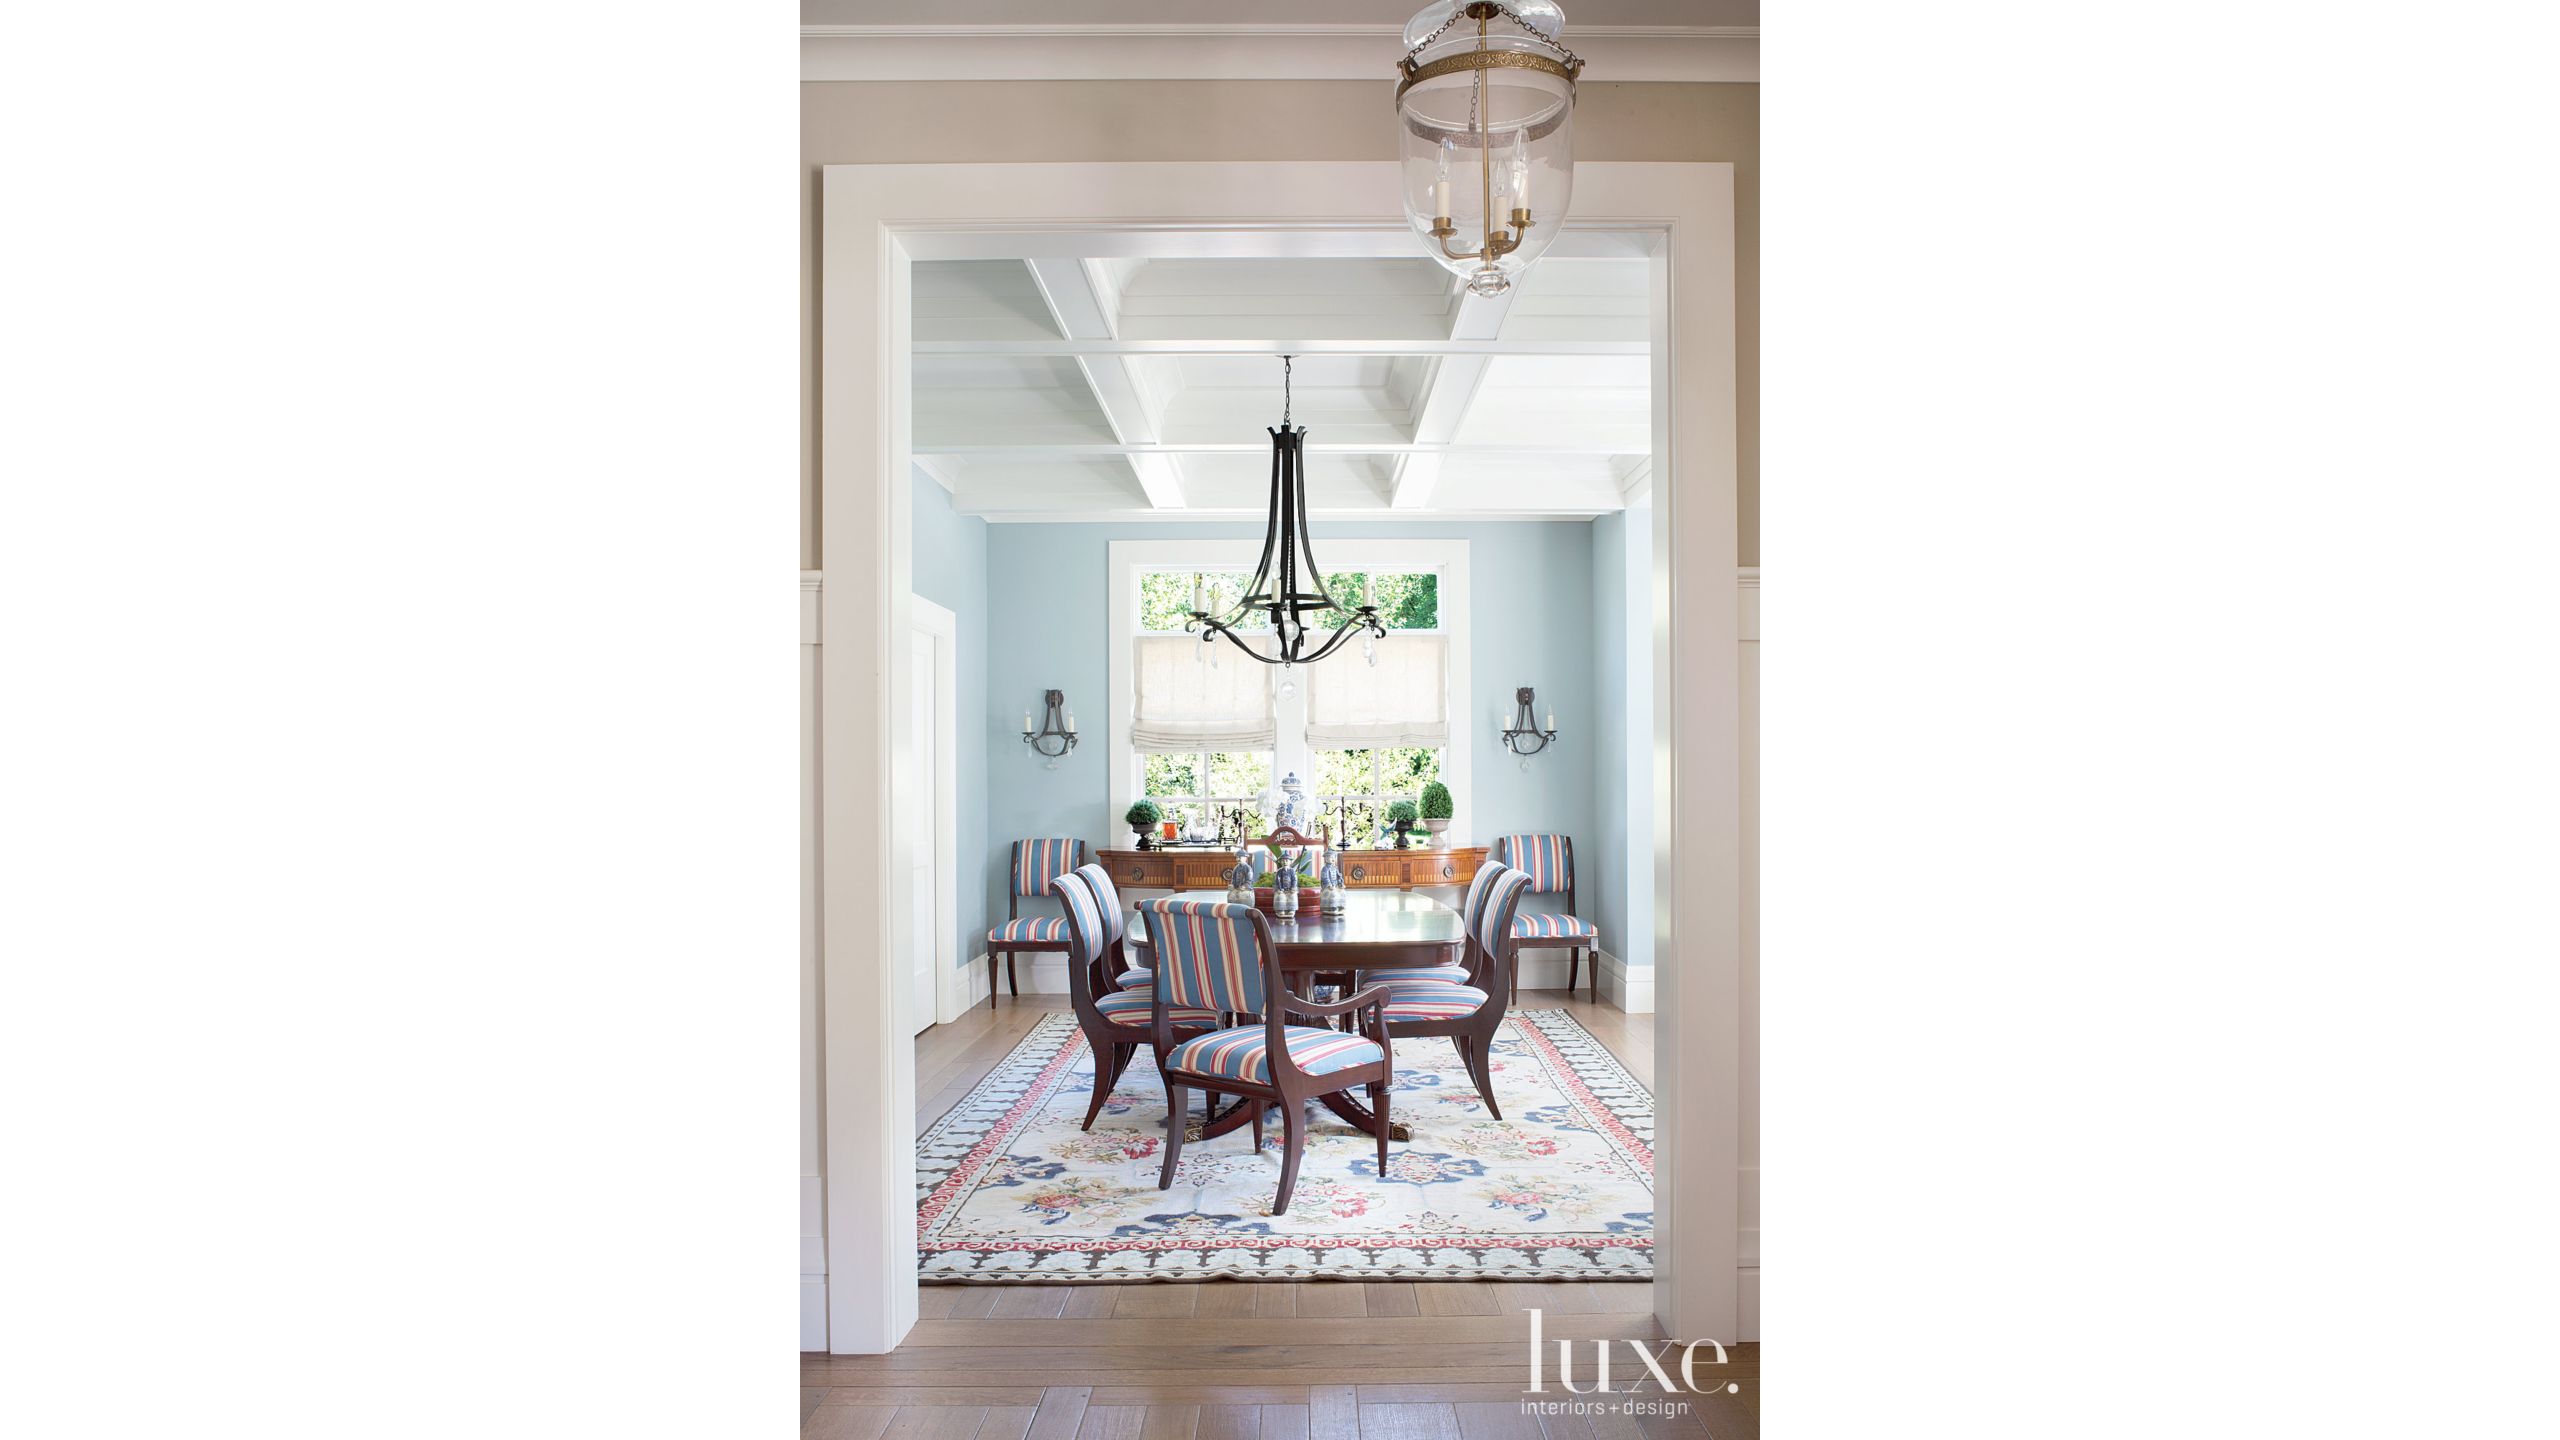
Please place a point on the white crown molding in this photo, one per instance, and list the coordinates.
(1649, 53)
(938, 469)
(1209, 30)
(1637, 486)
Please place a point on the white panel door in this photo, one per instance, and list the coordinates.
(925, 842)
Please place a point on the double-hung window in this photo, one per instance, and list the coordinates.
(1358, 733)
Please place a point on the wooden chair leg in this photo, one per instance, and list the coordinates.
(1378, 1103)
(1478, 1052)
(1012, 976)
(1257, 1127)
(1177, 1104)
(1572, 971)
(1106, 1075)
(1293, 1125)
(991, 981)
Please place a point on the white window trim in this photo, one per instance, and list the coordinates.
(1457, 615)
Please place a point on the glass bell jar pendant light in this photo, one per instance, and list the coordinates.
(1484, 98)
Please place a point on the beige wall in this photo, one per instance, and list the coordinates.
(975, 121)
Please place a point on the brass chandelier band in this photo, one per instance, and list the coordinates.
(1485, 60)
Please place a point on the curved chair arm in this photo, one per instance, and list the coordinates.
(1375, 995)
(1372, 1000)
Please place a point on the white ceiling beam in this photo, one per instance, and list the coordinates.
(1446, 396)
(1085, 310)
(1089, 450)
(1281, 347)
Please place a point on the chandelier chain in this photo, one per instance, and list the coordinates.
(1508, 13)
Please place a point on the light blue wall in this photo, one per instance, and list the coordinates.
(1621, 901)
(1049, 605)
(951, 571)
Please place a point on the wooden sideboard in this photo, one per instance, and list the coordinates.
(1204, 868)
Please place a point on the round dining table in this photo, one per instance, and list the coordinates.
(1377, 930)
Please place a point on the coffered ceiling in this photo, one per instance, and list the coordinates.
(1091, 388)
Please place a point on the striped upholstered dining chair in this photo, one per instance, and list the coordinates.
(1548, 859)
(1115, 1022)
(1035, 864)
(1214, 956)
(1466, 1012)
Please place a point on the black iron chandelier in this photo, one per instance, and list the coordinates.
(1287, 587)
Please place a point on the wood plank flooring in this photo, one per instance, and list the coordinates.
(1245, 1360)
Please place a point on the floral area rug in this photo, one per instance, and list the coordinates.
(1010, 1188)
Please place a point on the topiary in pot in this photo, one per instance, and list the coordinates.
(1143, 817)
(1437, 810)
(1402, 814)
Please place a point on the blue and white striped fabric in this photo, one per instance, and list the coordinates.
(1075, 891)
(1242, 1053)
(1031, 929)
(1433, 1000)
(1106, 900)
(1037, 862)
(1491, 902)
(1495, 884)
(1136, 1008)
(1534, 926)
(1207, 954)
(1548, 859)
(1417, 972)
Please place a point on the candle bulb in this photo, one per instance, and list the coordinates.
(1199, 596)
(1027, 726)
(1440, 200)
(1551, 720)
(1071, 722)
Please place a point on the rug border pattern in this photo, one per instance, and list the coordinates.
(1570, 1053)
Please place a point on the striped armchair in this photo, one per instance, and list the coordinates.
(1036, 864)
(1115, 1021)
(1548, 861)
(1465, 1011)
(1211, 956)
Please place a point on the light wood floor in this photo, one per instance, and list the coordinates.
(1244, 1360)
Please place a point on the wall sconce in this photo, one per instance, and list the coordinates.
(1522, 737)
(1057, 733)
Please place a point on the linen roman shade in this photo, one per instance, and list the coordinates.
(1187, 703)
(1401, 700)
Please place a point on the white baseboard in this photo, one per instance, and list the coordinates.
(813, 1262)
(1628, 988)
(963, 988)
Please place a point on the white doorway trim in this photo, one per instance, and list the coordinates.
(947, 998)
(876, 221)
